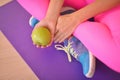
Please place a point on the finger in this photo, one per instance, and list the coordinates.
(34, 43)
(38, 46)
(56, 30)
(63, 38)
(70, 37)
(56, 38)
(43, 47)
(59, 37)
(50, 43)
(59, 34)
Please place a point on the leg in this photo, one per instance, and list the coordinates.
(111, 18)
(38, 8)
(98, 39)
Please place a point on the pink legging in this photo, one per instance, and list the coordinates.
(101, 37)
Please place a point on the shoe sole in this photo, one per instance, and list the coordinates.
(30, 21)
(92, 66)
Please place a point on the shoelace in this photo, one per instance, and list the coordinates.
(66, 49)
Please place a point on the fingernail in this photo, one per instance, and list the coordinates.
(33, 43)
(59, 42)
(55, 41)
(47, 46)
(37, 46)
(42, 47)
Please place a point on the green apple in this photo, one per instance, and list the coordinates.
(41, 36)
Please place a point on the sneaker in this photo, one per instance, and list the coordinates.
(33, 21)
(75, 48)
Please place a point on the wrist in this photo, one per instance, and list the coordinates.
(76, 18)
(54, 9)
(51, 19)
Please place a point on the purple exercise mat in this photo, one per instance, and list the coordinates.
(48, 63)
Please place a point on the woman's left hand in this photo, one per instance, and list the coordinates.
(65, 27)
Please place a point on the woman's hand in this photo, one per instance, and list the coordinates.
(50, 25)
(51, 18)
(65, 27)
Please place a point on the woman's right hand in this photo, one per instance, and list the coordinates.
(50, 25)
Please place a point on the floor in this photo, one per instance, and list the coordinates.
(4, 2)
(48, 63)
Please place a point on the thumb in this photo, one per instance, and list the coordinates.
(52, 36)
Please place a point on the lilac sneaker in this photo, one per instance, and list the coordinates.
(75, 48)
(33, 21)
